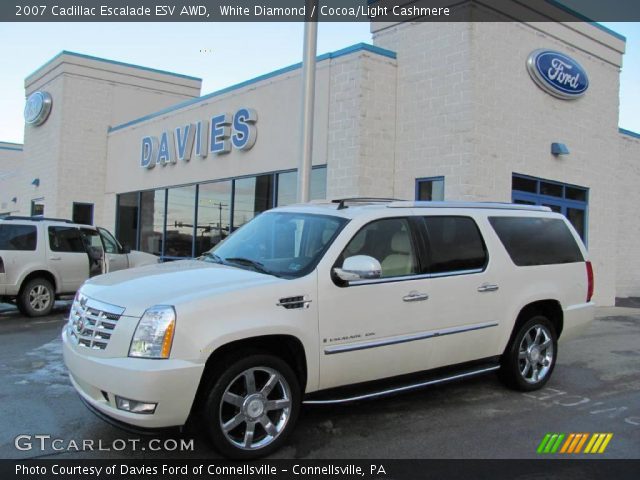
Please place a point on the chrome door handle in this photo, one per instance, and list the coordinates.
(487, 287)
(55, 258)
(415, 297)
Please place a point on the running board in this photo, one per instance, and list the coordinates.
(404, 388)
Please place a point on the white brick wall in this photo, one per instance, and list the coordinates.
(468, 110)
(628, 192)
(361, 126)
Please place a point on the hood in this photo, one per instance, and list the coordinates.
(137, 289)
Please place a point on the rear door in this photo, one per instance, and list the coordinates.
(464, 290)
(67, 256)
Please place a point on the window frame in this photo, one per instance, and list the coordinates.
(416, 243)
(65, 227)
(428, 253)
(428, 179)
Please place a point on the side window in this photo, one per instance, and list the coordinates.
(66, 239)
(18, 237)
(537, 241)
(388, 241)
(455, 244)
(110, 243)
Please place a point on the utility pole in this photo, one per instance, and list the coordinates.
(308, 97)
(220, 205)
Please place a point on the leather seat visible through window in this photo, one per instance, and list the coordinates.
(400, 261)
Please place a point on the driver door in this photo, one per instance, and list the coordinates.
(367, 326)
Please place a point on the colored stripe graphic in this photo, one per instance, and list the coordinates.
(572, 443)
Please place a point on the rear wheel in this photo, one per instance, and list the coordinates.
(252, 406)
(36, 298)
(530, 357)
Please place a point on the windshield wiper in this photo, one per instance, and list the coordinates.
(213, 256)
(252, 263)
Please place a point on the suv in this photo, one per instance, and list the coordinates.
(42, 259)
(328, 303)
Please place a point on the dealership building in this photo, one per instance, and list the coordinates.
(505, 111)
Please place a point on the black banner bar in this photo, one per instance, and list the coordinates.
(325, 11)
(379, 469)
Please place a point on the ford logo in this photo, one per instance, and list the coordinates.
(557, 74)
(37, 108)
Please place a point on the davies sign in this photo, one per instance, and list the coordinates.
(557, 74)
(216, 136)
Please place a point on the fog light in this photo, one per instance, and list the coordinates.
(135, 406)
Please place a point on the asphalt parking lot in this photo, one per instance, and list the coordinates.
(595, 388)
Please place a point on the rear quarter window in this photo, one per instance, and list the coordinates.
(18, 237)
(537, 241)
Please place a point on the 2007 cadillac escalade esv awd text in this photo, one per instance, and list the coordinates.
(306, 300)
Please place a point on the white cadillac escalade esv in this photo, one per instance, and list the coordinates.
(303, 301)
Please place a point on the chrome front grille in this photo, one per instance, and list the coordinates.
(91, 323)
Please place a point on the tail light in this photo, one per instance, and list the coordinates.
(1, 265)
(590, 283)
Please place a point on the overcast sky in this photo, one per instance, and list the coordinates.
(220, 53)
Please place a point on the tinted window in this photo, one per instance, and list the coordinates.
(65, 239)
(536, 241)
(389, 242)
(455, 244)
(17, 237)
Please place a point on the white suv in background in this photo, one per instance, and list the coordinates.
(42, 259)
(328, 303)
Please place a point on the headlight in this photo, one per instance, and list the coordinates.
(154, 334)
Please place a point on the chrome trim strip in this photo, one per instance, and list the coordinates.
(406, 338)
(416, 277)
(406, 388)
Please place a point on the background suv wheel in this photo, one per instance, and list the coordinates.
(531, 355)
(36, 298)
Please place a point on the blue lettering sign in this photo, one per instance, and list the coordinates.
(244, 135)
(166, 150)
(148, 152)
(220, 134)
(184, 142)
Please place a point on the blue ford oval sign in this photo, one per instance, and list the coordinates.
(557, 74)
(37, 108)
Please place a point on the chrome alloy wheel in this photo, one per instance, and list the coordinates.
(535, 354)
(255, 408)
(39, 298)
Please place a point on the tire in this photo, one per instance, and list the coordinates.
(37, 297)
(530, 357)
(234, 407)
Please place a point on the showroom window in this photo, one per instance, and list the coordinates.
(288, 186)
(186, 221)
(127, 219)
(430, 189)
(181, 203)
(214, 215)
(570, 200)
(152, 211)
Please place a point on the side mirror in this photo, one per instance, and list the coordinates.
(359, 267)
(126, 249)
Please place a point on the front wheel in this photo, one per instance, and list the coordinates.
(252, 407)
(531, 355)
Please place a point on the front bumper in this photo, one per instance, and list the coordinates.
(576, 320)
(171, 383)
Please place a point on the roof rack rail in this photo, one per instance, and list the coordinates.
(342, 201)
(36, 218)
(463, 204)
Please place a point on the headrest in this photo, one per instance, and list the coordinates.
(400, 243)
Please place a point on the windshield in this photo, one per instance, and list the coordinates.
(285, 244)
